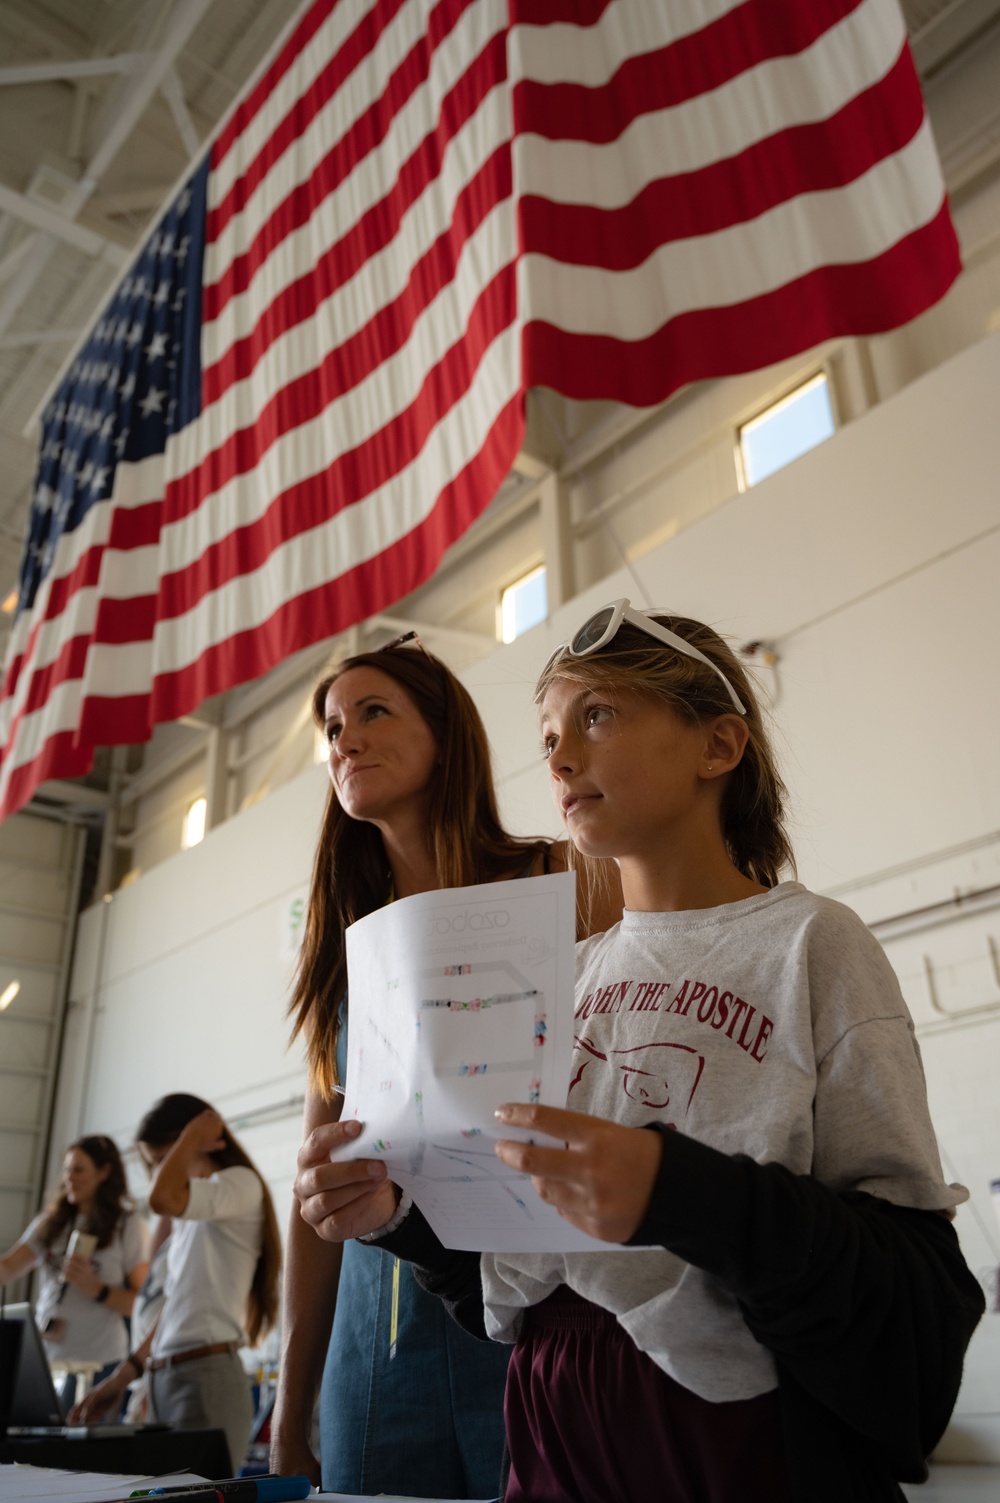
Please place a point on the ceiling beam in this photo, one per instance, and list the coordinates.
(138, 200)
(40, 217)
(28, 337)
(77, 794)
(173, 93)
(144, 86)
(12, 260)
(51, 71)
(118, 125)
(529, 466)
(949, 31)
(41, 248)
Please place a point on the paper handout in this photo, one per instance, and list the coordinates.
(461, 1000)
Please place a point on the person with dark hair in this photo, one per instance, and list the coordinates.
(223, 1262)
(409, 1403)
(85, 1299)
(786, 1319)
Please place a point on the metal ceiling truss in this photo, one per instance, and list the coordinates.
(130, 98)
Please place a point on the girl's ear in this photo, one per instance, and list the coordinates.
(725, 742)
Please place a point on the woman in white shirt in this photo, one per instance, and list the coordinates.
(84, 1300)
(223, 1260)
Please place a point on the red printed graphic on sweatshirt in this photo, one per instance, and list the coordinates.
(658, 1076)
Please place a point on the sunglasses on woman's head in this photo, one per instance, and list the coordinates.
(407, 639)
(603, 626)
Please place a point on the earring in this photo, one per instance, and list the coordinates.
(708, 767)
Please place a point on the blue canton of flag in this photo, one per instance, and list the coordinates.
(136, 381)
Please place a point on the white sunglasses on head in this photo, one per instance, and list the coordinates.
(600, 628)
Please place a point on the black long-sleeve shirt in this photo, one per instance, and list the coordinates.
(867, 1307)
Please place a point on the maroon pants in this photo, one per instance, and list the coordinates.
(591, 1419)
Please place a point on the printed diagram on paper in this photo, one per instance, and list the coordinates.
(459, 1001)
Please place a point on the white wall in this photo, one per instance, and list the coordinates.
(40, 864)
(872, 564)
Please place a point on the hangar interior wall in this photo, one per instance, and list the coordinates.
(871, 566)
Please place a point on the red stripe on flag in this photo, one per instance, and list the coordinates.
(558, 12)
(867, 298)
(350, 363)
(68, 663)
(357, 473)
(802, 159)
(60, 757)
(251, 104)
(342, 369)
(694, 65)
(369, 587)
(378, 226)
(366, 132)
(84, 574)
(325, 86)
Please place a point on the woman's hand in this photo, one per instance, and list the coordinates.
(290, 1457)
(78, 1272)
(600, 1182)
(205, 1133)
(349, 1198)
(104, 1398)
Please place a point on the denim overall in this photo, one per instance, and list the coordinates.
(422, 1416)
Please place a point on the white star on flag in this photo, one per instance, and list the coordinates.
(152, 401)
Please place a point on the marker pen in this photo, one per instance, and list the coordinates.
(237, 1490)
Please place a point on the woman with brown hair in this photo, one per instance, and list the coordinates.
(85, 1298)
(409, 1402)
(223, 1262)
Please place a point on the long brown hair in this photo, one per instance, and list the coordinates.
(111, 1202)
(753, 805)
(160, 1127)
(351, 875)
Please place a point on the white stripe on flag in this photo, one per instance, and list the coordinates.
(352, 536)
(366, 186)
(360, 414)
(293, 84)
(592, 55)
(842, 226)
(774, 96)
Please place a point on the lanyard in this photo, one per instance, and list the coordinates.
(394, 1310)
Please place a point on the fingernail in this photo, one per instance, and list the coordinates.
(352, 1127)
(377, 1170)
(502, 1113)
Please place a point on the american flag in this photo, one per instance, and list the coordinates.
(312, 379)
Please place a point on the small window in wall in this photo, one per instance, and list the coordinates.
(523, 604)
(194, 824)
(785, 430)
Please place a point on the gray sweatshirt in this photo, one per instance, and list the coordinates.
(772, 1027)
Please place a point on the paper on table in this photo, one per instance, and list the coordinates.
(461, 1000)
(37, 1484)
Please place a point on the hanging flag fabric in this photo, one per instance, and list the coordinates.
(312, 379)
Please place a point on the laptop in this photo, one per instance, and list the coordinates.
(33, 1406)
